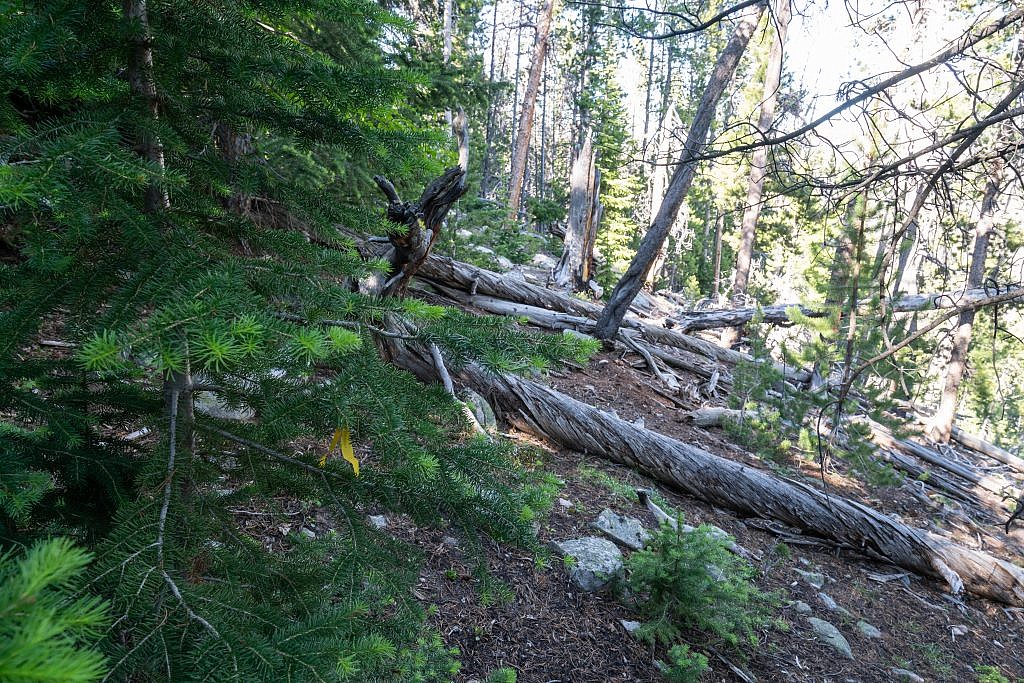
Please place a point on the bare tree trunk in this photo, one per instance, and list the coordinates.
(759, 164)
(178, 387)
(575, 257)
(485, 169)
(522, 146)
(447, 49)
(630, 284)
(717, 276)
(942, 423)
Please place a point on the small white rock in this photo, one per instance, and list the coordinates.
(378, 521)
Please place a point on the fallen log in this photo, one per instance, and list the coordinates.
(978, 444)
(495, 293)
(897, 453)
(692, 321)
(547, 413)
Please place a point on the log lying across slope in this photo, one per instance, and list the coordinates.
(545, 412)
(692, 321)
(485, 283)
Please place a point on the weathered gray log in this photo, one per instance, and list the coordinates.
(478, 281)
(547, 413)
(978, 444)
(896, 452)
(692, 321)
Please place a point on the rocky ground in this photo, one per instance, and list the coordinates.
(842, 617)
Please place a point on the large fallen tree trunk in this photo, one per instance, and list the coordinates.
(480, 282)
(547, 413)
(978, 444)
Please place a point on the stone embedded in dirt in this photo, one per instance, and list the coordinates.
(450, 541)
(957, 630)
(565, 503)
(595, 561)
(904, 675)
(543, 261)
(832, 606)
(812, 579)
(801, 607)
(307, 532)
(378, 521)
(628, 531)
(868, 630)
(830, 635)
(630, 626)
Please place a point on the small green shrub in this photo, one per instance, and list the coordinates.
(990, 674)
(684, 665)
(505, 675)
(691, 580)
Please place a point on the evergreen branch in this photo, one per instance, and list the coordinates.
(242, 441)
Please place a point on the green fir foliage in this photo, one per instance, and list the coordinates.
(227, 264)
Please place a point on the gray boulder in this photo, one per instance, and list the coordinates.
(627, 531)
(812, 579)
(868, 630)
(595, 561)
(830, 635)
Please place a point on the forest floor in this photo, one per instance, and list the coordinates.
(540, 625)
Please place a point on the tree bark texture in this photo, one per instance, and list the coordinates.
(759, 163)
(522, 141)
(575, 266)
(632, 281)
(547, 413)
(942, 422)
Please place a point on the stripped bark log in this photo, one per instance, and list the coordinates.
(478, 281)
(978, 444)
(547, 413)
(978, 492)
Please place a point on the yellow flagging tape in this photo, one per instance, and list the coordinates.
(342, 439)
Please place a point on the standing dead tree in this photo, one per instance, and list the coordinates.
(759, 164)
(420, 221)
(522, 140)
(576, 265)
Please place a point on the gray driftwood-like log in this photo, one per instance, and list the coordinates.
(550, 414)
(693, 321)
(478, 281)
(978, 444)
(547, 413)
(978, 491)
(421, 220)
